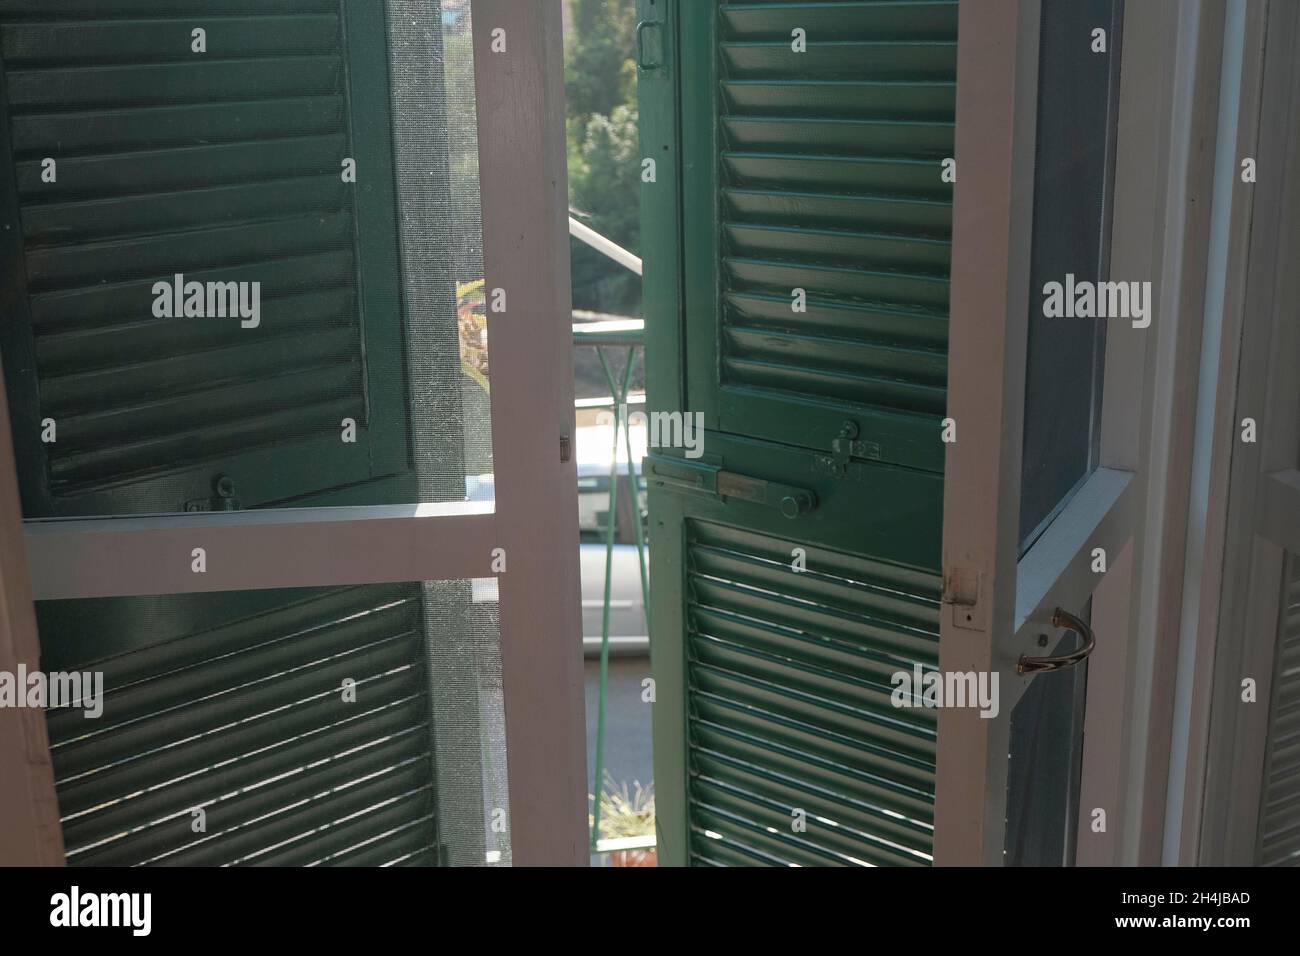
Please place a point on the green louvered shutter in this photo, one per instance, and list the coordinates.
(774, 637)
(822, 174)
(233, 706)
(221, 166)
(224, 166)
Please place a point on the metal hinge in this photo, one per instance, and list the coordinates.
(848, 446)
(962, 597)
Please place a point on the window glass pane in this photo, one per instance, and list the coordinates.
(343, 726)
(1071, 219)
(244, 288)
(1046, 753)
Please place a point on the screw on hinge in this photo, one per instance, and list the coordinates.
(1042, 640)
(565, 447)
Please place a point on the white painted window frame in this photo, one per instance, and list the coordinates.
(523, 182)
(1157, 235)
(1256, 518)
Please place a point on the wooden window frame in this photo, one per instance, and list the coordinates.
(523, 181)
(1135, 505)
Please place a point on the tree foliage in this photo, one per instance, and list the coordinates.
(604, 169)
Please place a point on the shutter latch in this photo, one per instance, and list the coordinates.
(223, 497)
(848, 446)
(684, 475)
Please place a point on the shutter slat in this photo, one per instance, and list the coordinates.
(108, 41)
(766, 825)
(835, 383)
(781, 134)
(263, 842)
(888, 793)
(297, 314)
(77, 390)
(895, 19)
(839, 245)
(168, 798)
(927, 330)
(42, 11)
(865, 692)
(736, 556)
(850, 718)
(914, 178)
(310, 406)
(201, 80)
(917, 217)
(203, 753)
(826, 58)
(853, 823)
(73, 265)
(799, 735)
(885, 288)
(88, 220)
(225, 815)
(221, 674)
(169, 125)
(882, 99)
(819, 618)
(132, 299)
(374, 808)
(396, 848)
(253, 701)
(136, 172)
(829, 652)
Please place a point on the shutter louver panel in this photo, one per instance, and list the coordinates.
(223, 166)
(829, 171)
(789, 688)
(246, 721)
(1279, 826)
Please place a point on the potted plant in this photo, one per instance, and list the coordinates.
(628, 815)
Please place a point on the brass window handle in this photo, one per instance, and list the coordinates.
(1060, 618)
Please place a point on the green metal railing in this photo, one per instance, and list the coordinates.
(605, 336)
(625, 335)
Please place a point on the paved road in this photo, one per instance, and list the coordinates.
(627, 721)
